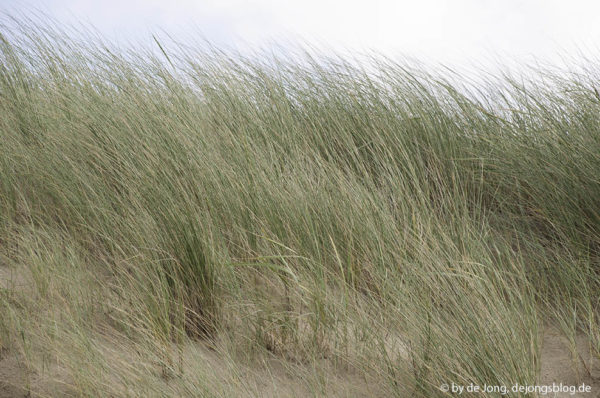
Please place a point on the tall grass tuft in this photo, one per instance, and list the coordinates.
(185, 221)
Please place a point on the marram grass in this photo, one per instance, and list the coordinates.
(172, 217)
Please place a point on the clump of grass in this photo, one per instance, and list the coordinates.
(396, 225)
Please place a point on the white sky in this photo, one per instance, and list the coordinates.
(453, 32)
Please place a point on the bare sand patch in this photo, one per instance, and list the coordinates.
(561, 362)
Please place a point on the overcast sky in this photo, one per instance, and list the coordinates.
(456, 31)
